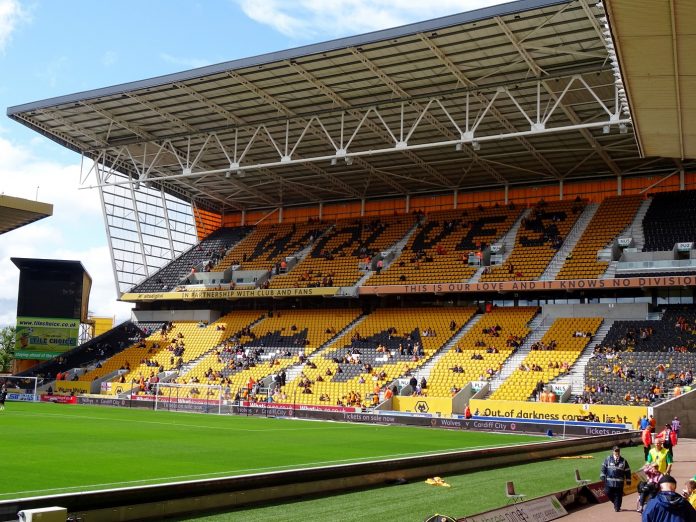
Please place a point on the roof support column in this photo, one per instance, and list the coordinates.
(244, 217)
(560, 190)
(321, 210)
(362, 207)
(100, 174)
(455, 197)
(681, 179)
(280, 214)
(619, 185)
(408, 203)
(507, 190)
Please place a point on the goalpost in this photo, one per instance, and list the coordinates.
(23, 389)
(195, 397)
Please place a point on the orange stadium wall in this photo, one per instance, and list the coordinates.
(594, 191)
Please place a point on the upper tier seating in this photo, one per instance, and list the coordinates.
(438, 251)
(384, 346)
(269, 245)
(539, 237)
(212, 247)
(337, 256)
(611, 218)
(269, 347)
(670, 220)
(482, 351)
(554, 354)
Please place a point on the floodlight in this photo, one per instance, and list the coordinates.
(475, 145)
(605, 129)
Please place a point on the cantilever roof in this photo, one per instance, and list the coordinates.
(294, 113)
(17, 212)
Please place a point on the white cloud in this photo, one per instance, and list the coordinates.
(109, 58)
(11, 15)
(50, 72)
(306, 19)
(75, 231)
(179, 61)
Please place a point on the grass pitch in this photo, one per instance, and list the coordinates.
(53, 448)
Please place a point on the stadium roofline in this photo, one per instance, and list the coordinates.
(484, 13)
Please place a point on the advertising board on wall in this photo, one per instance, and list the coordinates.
(44, 338)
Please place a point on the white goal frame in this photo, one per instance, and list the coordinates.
(21, 389)
(182, 397)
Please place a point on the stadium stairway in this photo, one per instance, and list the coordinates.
(611, 271)
(397, 248)
(576, 376)
(508, 241)
(294, 371)
(538, 329)
(569, 242)
(424, 371)
(635, 230)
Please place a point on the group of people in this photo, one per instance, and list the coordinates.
(658, 499)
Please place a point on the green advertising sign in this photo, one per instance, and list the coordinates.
(44, 338)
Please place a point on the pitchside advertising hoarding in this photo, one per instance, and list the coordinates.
(43, 338)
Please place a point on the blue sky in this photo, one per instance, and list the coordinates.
(50, 48)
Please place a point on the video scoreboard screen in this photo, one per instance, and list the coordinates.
(52, 301)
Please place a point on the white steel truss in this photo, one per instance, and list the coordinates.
(145, 227)
(463, 122)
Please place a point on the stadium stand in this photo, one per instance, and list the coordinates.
(539, 237)
(439, 249)
(270, 346)
(96, 349)
(670, 220)
(387, 344)
(210, 249)
(337, 257)
(269, 245)
(163, 351)
(481, 352)
(612, 217)
(553, 355)
(642, 362)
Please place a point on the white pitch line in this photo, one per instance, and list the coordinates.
(303, 466)
(173, 423)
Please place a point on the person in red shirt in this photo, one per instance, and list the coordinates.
(646, 437)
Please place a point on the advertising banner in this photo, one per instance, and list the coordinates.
(540, 510)
(72, 386)
(42, 338)
(59, 399)
(432, 405)
(558, 412)
(231, 294)
(537, 286)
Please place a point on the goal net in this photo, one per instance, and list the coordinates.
(20, 388)
(195, 397)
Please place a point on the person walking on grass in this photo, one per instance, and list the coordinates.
(615, 472)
